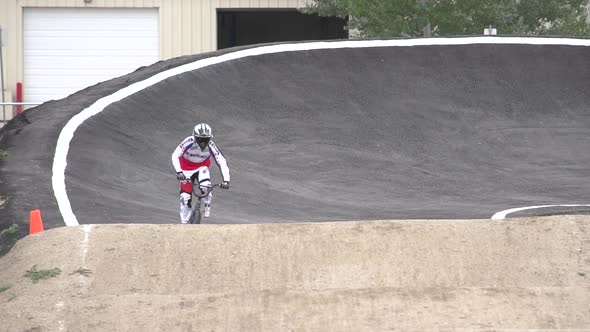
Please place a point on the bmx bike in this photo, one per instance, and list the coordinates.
(198, 208)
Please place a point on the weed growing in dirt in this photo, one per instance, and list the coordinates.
(82, 271)
(3, 154)
(36, 275)
(2, 289)
(12, 297)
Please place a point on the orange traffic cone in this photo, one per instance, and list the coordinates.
(36, 225)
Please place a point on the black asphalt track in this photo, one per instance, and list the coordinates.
(345, 134)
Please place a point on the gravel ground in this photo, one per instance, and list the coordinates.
(529, 273)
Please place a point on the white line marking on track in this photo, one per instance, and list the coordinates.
(67, 133)
(502, 214)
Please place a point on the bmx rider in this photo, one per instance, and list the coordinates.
(191, 160)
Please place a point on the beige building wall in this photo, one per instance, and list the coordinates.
(186, 26)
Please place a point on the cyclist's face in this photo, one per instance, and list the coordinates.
(202, 142)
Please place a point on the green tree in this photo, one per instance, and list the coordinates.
(393, 18)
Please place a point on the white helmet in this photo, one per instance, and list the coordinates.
(202, 134)
(202, 130)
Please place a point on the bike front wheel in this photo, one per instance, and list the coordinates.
(196, 215)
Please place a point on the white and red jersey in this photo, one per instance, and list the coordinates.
(188, 156)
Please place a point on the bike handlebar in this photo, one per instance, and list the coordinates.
(207, 192)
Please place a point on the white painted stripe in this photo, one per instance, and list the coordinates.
(67, 133)
(502, 214)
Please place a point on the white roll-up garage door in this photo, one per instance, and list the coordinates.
(68, 49)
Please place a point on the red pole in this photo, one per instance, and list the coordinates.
(19, 96)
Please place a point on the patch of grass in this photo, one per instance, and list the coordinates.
(2, 289)
(36, 275)
(82, 271)
(12, 230)
(3, 154)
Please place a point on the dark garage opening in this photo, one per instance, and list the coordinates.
(238, 28)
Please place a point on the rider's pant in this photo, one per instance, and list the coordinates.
(202, 177)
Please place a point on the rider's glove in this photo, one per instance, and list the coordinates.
(180, 176)
(224, 185)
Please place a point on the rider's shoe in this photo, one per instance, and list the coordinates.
(207, 211)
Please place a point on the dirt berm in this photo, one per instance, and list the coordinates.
(528, 273)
